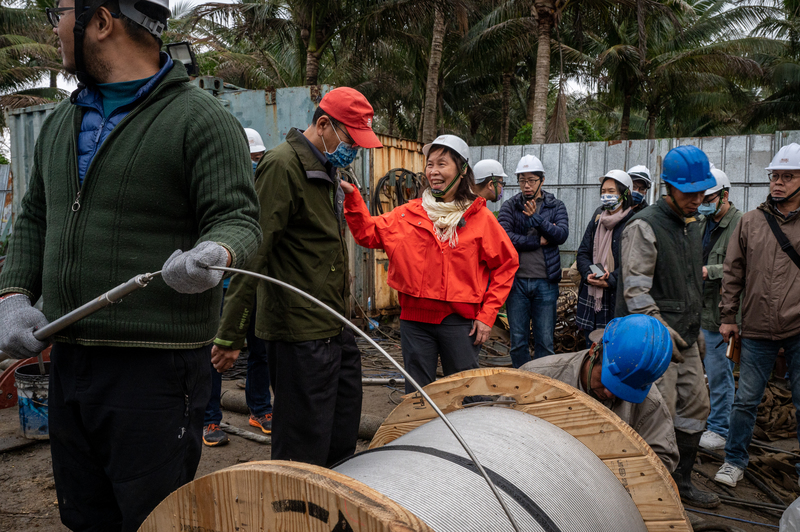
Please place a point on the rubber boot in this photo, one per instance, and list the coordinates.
(687, 446)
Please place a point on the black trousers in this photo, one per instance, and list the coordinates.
(317, 403)
(125, 430)
(424, 343)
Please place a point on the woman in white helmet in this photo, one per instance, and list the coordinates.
(600, 246)
(489, 179)
(449, 259)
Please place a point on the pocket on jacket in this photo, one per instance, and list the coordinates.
(321, 275)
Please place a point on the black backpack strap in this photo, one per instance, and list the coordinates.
(784, 243)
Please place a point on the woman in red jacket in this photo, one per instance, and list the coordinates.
(449, 259)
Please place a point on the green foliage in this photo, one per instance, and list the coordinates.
(523, 135)
(4, 159)
(581, 130)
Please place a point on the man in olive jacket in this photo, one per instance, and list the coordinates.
(315, 365)
(770, 307)
(138, 163)
(720, 219)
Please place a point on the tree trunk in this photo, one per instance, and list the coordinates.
(432, 85)
(651, 124)
(53, 79)
(505, 112)
(531, 91)
(539, 119)
(625, 123)
(312, 68)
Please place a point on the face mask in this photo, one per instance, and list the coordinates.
(343, 155)
(707, 209)
(638, 197)
(255, 164)
(609, 201)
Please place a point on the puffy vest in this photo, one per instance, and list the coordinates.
(678, 279)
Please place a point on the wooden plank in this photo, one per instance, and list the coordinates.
(279, 495)
(653, 494)
(668, 526)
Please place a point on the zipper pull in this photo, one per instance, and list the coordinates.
(186, 403)
(76, 206)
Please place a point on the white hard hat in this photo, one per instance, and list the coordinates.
(144, 18)
(254, 140)
(641, 172)
(453, 142)
(721, 179)
(529, 163)
(620, 176)
(487, 168)
(787, 158)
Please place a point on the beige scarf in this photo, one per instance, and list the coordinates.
(445, 217)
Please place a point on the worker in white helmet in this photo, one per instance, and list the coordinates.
(720, 217)
(489, 179)
(537, 223)
(763, 255)
(257, 147)
(640, 175)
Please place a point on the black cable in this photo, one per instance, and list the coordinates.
(399, 185)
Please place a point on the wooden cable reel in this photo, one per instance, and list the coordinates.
(625, 453)
(291, 496)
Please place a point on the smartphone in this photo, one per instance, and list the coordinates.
(597, 269)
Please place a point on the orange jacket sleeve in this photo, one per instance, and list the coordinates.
(502, 260)
(366, 229)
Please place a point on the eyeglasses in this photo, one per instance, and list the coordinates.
(786, 178)
(712, 198)
(498, 181)
(54, 14)
(530, 181)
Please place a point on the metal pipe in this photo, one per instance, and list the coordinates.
(376, 381)
(400, 368)
(109, 298)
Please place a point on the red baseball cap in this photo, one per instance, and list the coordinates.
(349, 107)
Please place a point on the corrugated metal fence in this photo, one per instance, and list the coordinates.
(572, 170)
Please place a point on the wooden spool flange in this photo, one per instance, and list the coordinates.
(625, 453)
(274, 496)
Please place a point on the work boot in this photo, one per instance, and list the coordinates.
(262, 422)
(687, 446)
(214, 436)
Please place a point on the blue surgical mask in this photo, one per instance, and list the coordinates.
(637, 197)
(609, 201)
(707, 209)
(255, 164)
(343, 155)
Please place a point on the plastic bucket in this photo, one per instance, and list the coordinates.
(32, 397)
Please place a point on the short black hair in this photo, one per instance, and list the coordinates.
(319, 113)
(136, 32)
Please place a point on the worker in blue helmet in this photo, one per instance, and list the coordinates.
(662, 276)
(627, 357)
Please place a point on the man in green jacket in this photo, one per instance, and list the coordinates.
(315, 365)
(720, 219)
(138, 163)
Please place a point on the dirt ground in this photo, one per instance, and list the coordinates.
(28, 498)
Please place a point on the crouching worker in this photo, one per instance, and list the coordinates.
(443, 250)
(619, 371)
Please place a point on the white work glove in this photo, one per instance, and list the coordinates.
(18, 320)
(678, 343)
(187, 271)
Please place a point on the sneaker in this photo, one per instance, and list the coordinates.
(263, 422)
(712, 441)
(213, 435)
(729, 474)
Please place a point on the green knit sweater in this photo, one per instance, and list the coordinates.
(174, 172)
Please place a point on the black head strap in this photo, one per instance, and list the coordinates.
(83, 14)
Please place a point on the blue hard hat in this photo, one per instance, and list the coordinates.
(687, 169)
(637, 350)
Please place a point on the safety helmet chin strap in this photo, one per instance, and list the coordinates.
(441, 193)
(83, 15)
(595, 352)
(675, 203)
(790, 196)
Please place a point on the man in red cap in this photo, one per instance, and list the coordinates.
(314, 363)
